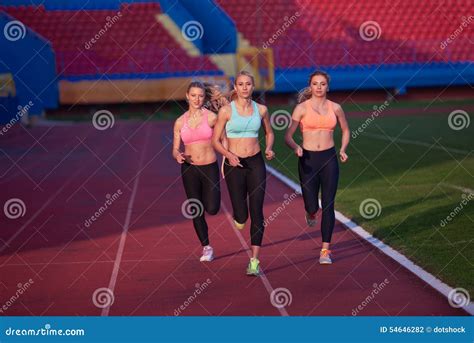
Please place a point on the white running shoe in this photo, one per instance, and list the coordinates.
(207, 254)
(325, 256)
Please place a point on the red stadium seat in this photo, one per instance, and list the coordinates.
(135, 43)
(406, 30)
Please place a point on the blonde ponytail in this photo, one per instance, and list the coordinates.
(304, 95)
(215, 98)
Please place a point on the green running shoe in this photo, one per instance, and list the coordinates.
(253, 267)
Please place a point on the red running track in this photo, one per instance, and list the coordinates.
(146, 253)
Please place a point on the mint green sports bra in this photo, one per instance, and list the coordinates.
(243, 126)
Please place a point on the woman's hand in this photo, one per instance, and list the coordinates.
(343, 156)
(269, 154)
(180, 157)
(233, 160)
(298, 151)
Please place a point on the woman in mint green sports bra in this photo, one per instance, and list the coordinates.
(244, 167)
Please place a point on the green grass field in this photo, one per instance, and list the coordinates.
(413, 180)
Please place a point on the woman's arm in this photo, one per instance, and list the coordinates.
(222, 118)
(225, 144)
(341, 118)
(296, 118)
(211, 119)
(269, 135)
(177, 154)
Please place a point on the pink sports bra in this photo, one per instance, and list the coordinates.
(200, 134)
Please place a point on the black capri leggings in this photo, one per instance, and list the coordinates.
(202, 183)
(248, 180)
(320, 168)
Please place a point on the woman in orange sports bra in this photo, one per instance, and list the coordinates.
(318, 167)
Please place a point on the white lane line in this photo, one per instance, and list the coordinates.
(283, 178)
(459, 188)
(126, 224)
(413, 142)
(430, 279)
(262, 277)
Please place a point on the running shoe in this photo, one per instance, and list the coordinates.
(311, 219)
(325, 256)
(253, 267)
(207, 254)
(238, 225)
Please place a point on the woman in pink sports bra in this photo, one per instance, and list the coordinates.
(199, 169)
(317, 118)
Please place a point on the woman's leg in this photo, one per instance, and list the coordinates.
(329, 180)
(211, 191)
(309, 179)
(193, 188)
(237, 186)
(256, 183)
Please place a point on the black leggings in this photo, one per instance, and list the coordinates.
(320, 168)
(248, 181)
(202, 183)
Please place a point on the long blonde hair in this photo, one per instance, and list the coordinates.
(214, 99)
(306, 93)
(233, 92)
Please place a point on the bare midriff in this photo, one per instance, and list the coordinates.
(244, 147)
(201, 153)
(318, 140)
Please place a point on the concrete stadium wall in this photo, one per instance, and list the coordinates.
(119, 91)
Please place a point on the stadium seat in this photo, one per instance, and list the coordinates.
(116, 51)
(331, 29)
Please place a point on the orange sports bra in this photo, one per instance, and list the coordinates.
(312, 120)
